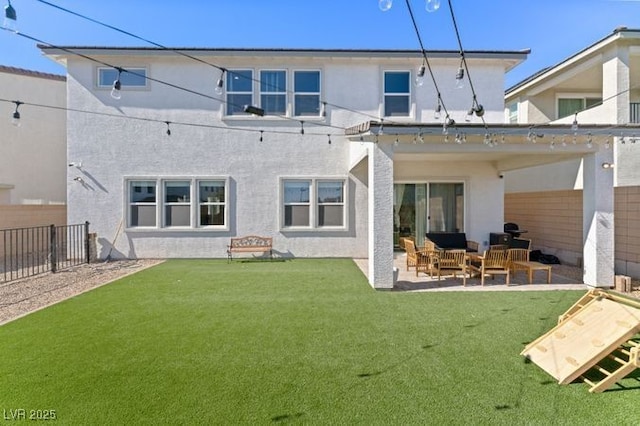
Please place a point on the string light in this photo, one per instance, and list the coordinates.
(329, 136)
(432, 5)
(438, 110)
(589, 141)
(385, 5)
(117, 85)
(574, 125)
(168, 128)
(15, 118)
(460, 76)
(302, 127)
(10, 17)
(220, 84)
(323, 109)
(261, 132)
(420, 75)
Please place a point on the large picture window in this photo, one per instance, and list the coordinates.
(239, 91)
(397, 94)
(306, 86)
(314, 203)
(180, 203)
(570, 105)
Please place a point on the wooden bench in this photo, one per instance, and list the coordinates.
(250, 244)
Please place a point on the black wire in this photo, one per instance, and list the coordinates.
(222, 69)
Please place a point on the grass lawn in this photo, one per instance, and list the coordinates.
(299, 341)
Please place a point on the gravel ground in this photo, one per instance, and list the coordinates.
(20, 297)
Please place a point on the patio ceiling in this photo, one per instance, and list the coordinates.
(511, 146)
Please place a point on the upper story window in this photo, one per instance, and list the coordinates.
(314, 203)
(397, 94)
(273, 91)
(570, 105)
(306, 85)
(513, 112)
(132, 77)
(239, 91)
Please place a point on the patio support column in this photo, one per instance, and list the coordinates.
(381, 215)
(598, 224)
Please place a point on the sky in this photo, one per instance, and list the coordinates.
(552, 29)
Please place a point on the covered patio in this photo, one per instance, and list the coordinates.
(476, 155)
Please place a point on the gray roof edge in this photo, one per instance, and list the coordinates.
(515, 54)
(618, 32)
(31, 73)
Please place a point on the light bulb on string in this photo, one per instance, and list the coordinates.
(15, 118)
(385, 5)
(460, 77)
(432, 5)
(574, 125)
(438, 110)
(419, 81)
(220, 84)
(117, 85)
(10, 17)
(261, 132)
(168, 128)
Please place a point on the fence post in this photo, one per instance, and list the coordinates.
(54, 248)
(87, 244)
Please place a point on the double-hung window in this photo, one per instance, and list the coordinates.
(129, 77)
(306, 99)
(314, 203)
(239, 91)
(177, 203)
(142, 203)
(397, 96)
(273, 91)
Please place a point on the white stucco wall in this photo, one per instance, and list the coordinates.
(112, 149)
(33, 161)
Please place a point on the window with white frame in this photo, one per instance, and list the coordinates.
(142, 203)
(314, 203)
(397, 95)
(181, 203)
(212, 202)
(239, 91)
(306, 99)
(513, 112)
(569, 105)
(177, 203)
(273, 91)
(129, 77)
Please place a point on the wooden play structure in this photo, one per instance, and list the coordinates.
(596, 340)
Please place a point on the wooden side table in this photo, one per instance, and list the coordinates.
(534, 266)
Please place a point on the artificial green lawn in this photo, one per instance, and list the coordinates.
(298, 341)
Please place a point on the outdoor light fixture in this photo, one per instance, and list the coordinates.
(607, 166)
(76, 164)
(574, 125)
(323, 109)
(261, 132)
(117, 85)
(168, 129)
(479, 110)
(302, 127)
(385, 5)
(220, 84)
(253, 110)
(15, 118)
(432, 5)
(420, 75)
(10, 17)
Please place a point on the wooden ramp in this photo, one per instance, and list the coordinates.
(599, 327)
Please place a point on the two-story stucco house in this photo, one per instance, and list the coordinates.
(33, 168)
(600, 84)
(340, 152)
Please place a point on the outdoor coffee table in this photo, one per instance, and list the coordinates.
(534, 266)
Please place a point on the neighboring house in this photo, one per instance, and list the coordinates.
(348, 156)
(33, 166)
(598, 85)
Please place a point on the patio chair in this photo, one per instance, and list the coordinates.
(517, 255)
(451, 261)
(492, 263)
(421, 260)
(425, 258)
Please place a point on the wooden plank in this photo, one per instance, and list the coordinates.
(578, 343)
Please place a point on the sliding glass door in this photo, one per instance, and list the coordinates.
(419, 208)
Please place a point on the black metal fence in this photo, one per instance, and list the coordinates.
(30, 251)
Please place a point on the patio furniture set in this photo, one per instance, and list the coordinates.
(450, 253)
